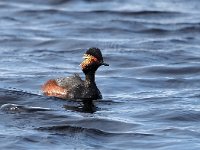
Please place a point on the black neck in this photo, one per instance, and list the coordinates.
(90, 77)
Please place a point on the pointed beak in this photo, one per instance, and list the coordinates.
(104, 64)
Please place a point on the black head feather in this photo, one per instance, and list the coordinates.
(96, 53)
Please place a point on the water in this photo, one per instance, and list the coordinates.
(151, 89)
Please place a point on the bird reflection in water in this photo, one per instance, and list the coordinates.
(86, 106)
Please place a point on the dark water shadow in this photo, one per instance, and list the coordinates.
(85, 106)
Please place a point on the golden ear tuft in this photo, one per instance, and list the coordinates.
(88, 60)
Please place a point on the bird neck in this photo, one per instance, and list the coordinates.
(90, 78)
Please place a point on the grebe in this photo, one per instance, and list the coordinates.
(74, 87)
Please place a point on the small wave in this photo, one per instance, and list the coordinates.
(176, 70)
(58, 2)
(14, 108)
(41, 12)
(182, 131)
(65, 129)
(143, 12)
(96, 12)
(189, 116)
(195, 28)
(12, 19)
(155, 31)
(192, 28)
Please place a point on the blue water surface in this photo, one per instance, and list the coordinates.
(151, 90)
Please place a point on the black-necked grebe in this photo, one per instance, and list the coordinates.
(74, 87)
